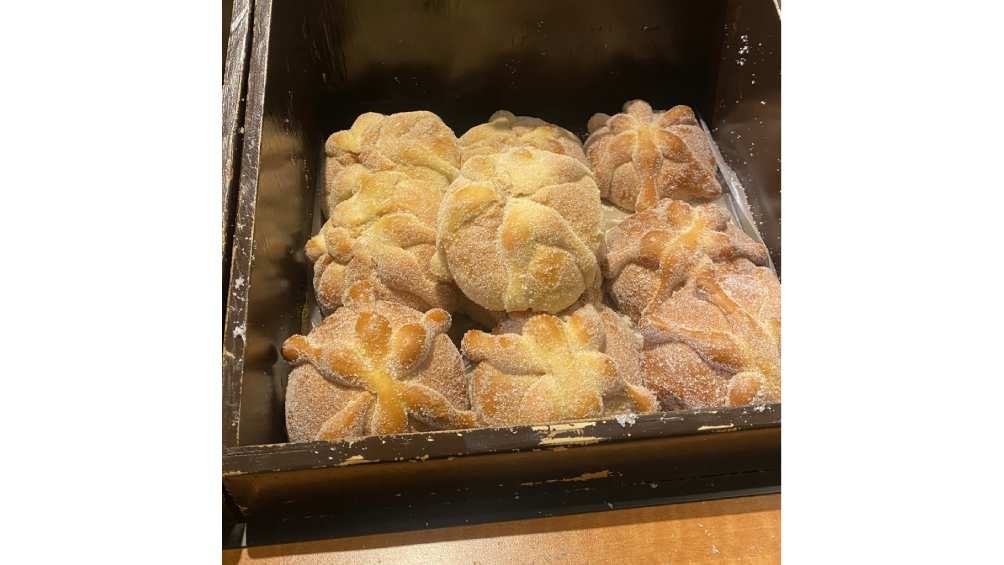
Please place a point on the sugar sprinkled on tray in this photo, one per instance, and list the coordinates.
(626, 420)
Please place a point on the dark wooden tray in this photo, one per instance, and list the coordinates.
(311, 68)
(236, 44)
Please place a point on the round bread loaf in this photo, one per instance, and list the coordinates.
(640, 156)
(543, 368)
(383, 233)
(417, 144)
(505, 130)
(649, 254)
(621, 342)
(717, 340)
(520, 230)
(374, 367)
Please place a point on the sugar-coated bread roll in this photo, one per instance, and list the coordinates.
(649, 254)
(544, 368)
(622, 342)
(417, 144)
(375, 367)
(520, 230)
(717, 340)
(640, 156)
(507, 131)
(384, 233)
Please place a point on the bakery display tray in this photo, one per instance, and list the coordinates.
(311, 68)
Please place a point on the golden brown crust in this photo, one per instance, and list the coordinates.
(519, 230)
(383, 233)
(374, 367)
(311, 400)
(417, 144)
(717, 340)
(555, 368)
(641, 156)
(505, 131)
(649, 254)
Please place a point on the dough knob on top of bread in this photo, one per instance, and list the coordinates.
(417, 144)
(650, 254)
(717, 340)
(520, 230)
(505, 130)
(641, 156)
(386, 369)
(548, 368)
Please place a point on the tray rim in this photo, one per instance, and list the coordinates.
(235, 317)
(421, 446)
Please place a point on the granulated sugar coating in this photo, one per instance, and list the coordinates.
(621, 340)
(623, 343)
(641, 156)
(520, 230)
(650, 254)
(717, 340)
(506, 229)
(417, 144)
(506, 131)
(311, 400)
(555, 368)
(383, 233)
(384, 180)
(374, 367)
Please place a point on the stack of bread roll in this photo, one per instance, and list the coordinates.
(599, 280)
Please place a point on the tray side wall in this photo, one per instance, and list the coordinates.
(746, 121)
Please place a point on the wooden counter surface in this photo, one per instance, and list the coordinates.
(738, 530)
